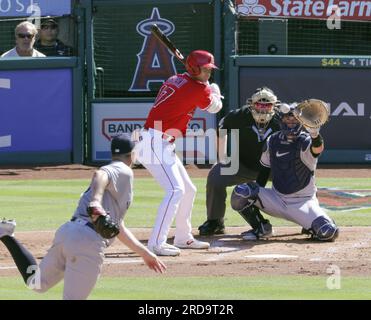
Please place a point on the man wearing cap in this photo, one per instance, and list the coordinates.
(78, 250)
(168, 119)
(48, 43)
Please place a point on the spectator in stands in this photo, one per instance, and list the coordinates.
(48, 43)
(25, 36)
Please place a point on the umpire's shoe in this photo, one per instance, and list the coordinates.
(211, 227)
(7, 227)
(264, 231)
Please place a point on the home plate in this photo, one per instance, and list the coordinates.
(271, 256)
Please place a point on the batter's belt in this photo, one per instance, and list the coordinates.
(164, 136)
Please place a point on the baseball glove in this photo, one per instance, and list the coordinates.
(312, 113)
(103, 225)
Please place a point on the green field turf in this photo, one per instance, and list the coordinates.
(46, 204)
(204, 288)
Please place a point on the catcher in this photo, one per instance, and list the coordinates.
(77, 251)
(292, 155)
(255, 122)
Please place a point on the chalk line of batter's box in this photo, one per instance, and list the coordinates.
(122, 261)
(7, 267)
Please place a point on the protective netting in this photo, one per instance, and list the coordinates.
(307, 37)
(117, 42)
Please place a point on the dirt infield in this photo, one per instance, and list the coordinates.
(288, 252)
(77, 171)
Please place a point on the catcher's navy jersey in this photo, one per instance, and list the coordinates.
(251, 141)
(292, 164)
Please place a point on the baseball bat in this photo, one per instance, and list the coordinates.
(167, 43)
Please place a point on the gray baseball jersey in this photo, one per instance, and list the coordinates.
(293, 195)
(117, 196)
(77, 252)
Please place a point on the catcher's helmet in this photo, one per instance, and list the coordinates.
(294, 128)
(262, 105)
(197, 59)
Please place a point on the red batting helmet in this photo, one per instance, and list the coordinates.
(197, 59)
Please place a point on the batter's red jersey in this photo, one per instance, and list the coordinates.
(176, 103)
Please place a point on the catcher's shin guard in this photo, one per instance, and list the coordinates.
(324, 229)
(244, 196)
(253, 217)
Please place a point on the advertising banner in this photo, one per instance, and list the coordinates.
(36, 8)
(110, 119)
(345, 90)
(35, 111)
(307, 9)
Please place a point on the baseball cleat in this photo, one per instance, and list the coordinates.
(192, 244)
(263, 232)
(165, 250)
(211, 227)
(7, 227)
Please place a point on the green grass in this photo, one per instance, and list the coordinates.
(46, 204)
(208, 288)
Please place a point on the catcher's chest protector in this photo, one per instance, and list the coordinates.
(289, 173)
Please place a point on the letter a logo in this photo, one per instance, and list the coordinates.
(155, 62)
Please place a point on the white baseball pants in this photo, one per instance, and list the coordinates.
(158, 156)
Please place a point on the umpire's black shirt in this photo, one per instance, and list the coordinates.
(250, 141)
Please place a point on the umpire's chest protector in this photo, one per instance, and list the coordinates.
(289, 173)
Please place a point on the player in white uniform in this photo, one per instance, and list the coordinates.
(292, 155)
(78, 250)
(174, 107)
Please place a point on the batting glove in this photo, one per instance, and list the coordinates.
(216, 90)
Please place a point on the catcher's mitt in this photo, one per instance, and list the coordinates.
(103, 225)
(312, 113)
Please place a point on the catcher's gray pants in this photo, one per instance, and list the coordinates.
(301, 210)
(77, 256)
(216, 188)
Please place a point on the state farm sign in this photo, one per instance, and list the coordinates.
(312, 9)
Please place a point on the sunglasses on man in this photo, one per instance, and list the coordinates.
(25, 35)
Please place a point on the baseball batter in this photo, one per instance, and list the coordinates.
(292, 155)
(174, 107)
(78, 249)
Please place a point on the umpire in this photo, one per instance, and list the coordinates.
(255, 121)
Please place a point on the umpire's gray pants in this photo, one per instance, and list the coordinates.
(216, 188)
